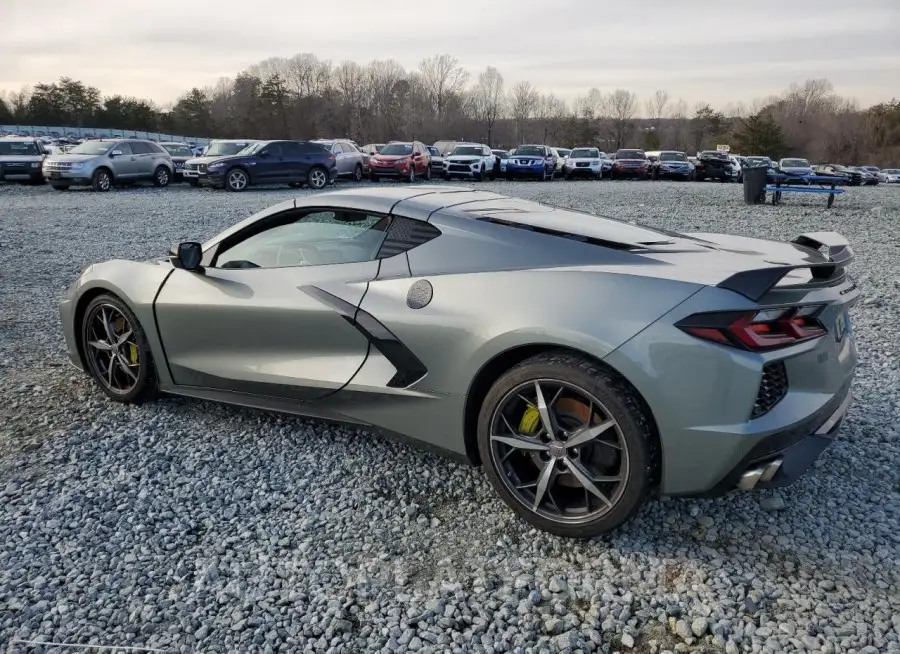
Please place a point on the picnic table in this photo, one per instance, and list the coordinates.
(818, 184)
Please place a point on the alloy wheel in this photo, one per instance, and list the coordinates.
(162, 177)
(237, 180)
(317, 179)
(559, 451)
(113, 349)
(103, 180)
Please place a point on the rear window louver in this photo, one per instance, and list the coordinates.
(614, 245)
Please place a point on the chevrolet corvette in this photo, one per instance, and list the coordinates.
(587, 363)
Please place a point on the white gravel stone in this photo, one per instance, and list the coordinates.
(187, 526)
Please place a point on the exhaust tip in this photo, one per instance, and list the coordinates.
(763, 473)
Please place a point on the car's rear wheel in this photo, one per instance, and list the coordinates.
(237, 180)
(317, 178)
(116, 350)
(411, 176)
(161, 177)
(101, 180)
(428, 173)
(567, 445)
(358, 173)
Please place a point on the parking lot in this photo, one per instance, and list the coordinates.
(188, 526)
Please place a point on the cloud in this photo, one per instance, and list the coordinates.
(709, 50)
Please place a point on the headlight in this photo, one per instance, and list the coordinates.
(36, 165)
(213, 166)
(76, 166)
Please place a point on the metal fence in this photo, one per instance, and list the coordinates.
(95, 132)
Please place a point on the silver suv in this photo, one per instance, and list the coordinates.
(103, 163)
(351, 161)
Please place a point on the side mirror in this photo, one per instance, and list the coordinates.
(264, 154)
(188, 256)
(115, 153)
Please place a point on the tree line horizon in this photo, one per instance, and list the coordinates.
(305, 97)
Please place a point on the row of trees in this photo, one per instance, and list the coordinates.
(306, 97)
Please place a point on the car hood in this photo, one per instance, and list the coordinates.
(462, 157)
(528, 157)
(73, 157)
(583, 159)
(796, 169)
(21, 157)
(632, 161)
(389, 158)
(178, 159)
(674, 163)
(203, 160)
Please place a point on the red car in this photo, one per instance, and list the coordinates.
(630, 163)
(404, 160)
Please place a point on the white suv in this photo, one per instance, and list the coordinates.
(470, 160)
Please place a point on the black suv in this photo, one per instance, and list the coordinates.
(294, 163)
(713, 164)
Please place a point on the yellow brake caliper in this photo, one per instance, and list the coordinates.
(133, 354)
(530, 421)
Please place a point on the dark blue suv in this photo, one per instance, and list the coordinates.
(294, 163)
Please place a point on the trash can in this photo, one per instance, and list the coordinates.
(755, 185)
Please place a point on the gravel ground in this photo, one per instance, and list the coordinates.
(187, 526)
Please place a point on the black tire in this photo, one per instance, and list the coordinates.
(102, 180)
(633, 431)
(358, 173)
(296, 185)
(411, 177)
(161, 177)
(237, 180)
(60, 187)
(428, 173)
(146, 385)
(481, 175)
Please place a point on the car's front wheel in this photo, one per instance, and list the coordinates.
(237, 180)
(567, 445)
(116, 350)
(101, 180)
(358, 173)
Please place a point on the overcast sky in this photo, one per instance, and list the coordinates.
(720, 51)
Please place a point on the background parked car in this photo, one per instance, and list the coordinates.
(437, 160)
(535, 161)
(795, 166)
(294, 163)
(848, 176)
(195, 169)
(736, 172)
(21, 160)
(560, 154)
(180, 153)
(713, 164)
(403, 160)
(583, 162)
(671, 164)
(104, 163)
(500, 159)
(470, 160)
(891, 175)
(351, 161)
(372, 149)
(630, 163)
(868, 177)
(446, 147)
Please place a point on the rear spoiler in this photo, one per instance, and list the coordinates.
(754, 284)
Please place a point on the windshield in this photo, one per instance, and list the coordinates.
(585, 153)
(503, 154)
(468, 150)
(177, 150)
(92, 147)
(395, 149)
(672, 156)
(891, 171)
(530, 150)
(225, 148)
(563, 152)
(19, 147)
(433, 150)
(630, 154)
(795, 163)
(325, 144)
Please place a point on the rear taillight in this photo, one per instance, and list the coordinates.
(331, 157)
(765, 329)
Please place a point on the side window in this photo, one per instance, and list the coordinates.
(139, 148)
(273, 150)
(336, 148)
(290, 149)
(308, 239)
(124, 148)
(156, 149)
(311, 148)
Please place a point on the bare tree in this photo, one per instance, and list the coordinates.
(351, 86)
(548, 110)
(443, 78)
(487, 100)
(657, 105)
(621, 108)
(523, 103)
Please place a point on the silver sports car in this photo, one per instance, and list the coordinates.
(584, 361)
